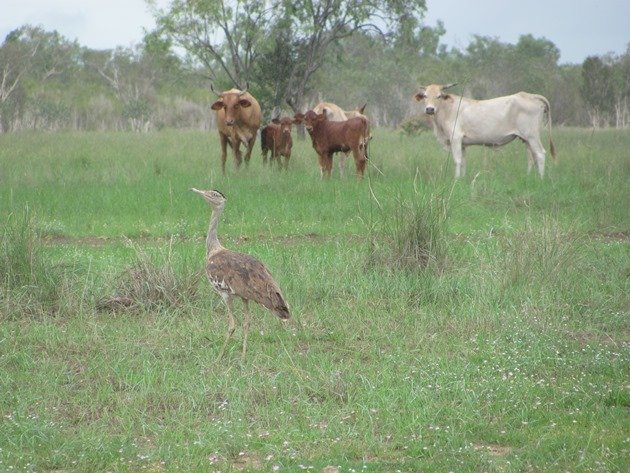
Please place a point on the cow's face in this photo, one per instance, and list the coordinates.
(231, 104)
(285, 125)
(311, 119)
(432, 96)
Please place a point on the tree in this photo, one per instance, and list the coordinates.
(29, 52)
(220, 35)
(318, 25)
(621, 86)
(597, 89)
(229, 36)
(132, 76)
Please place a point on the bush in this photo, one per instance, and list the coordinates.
(415, 125)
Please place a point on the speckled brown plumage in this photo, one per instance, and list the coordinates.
(235, 274)
(244, 276)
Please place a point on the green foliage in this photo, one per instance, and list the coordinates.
(415, 125)
(291, 56)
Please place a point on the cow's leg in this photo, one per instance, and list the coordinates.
(530, 160)
(458, 158)
(287, 157)
(265, 151)
(277, 155)
(322, 164)
(250, 147)
(223, 140)
(538, 152)
(342, 164)
(359, 160)
(236, 150)
(238, 159)
(329, 164)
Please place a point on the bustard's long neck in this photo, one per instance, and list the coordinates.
(212, 241)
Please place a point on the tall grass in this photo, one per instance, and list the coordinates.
(161, 280)
(411, 233)
(29, 283)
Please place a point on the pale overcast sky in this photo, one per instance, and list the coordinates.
(578, 28)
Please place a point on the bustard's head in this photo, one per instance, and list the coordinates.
(213, 197)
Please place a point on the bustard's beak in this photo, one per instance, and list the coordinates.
(196, 190)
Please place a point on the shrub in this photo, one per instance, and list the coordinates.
(415, 125)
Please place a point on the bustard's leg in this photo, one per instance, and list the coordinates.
(245, 327)
(231, 324)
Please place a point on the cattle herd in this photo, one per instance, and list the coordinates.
(457, 122)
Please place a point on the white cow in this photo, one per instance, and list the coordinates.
(333, 112)
(459, 122)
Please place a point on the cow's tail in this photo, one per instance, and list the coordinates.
(552, 148)
(366, 135)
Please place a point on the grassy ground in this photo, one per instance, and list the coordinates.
(477, 325)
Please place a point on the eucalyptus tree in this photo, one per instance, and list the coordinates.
(30, 54)
(224, 37)
(276, 45)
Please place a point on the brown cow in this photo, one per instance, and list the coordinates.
(329, 137)
(238, 120)
(335, 113)
(276, 137)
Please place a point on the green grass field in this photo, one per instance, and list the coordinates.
(477, 325)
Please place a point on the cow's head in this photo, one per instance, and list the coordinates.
(310, 119)
(231, 103)
(432, 95)
(285, 124)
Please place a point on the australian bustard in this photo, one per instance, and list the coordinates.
(235, 274)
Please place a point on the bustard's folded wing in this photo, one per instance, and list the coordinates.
(248, 278)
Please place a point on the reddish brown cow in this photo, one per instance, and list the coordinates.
(276, 137)
(335, 113)
(238, 120)
(330, 137)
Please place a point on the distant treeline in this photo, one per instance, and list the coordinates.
(48, 82)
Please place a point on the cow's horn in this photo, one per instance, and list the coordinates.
(244, 91)
(448, 86)
(212, 89)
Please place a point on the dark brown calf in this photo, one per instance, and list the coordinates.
(276, 137)
(331, 137)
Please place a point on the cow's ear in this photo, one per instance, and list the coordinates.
(276, 121)
(218, 105)
(298, 118)
(244, 103)
(419, 96)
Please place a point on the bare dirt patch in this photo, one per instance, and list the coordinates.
(494, 450)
